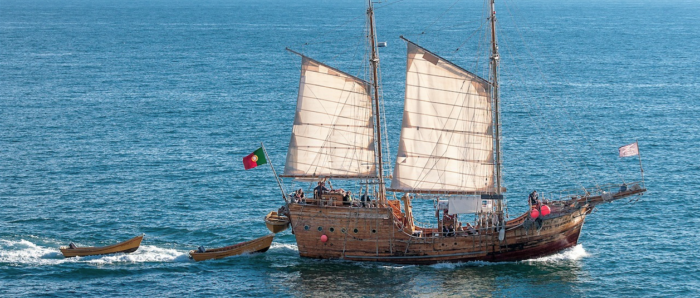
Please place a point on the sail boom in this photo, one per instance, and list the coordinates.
(314, 177)
(489, 195)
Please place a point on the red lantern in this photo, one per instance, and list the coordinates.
(545, 210)
(534, 213)
(324, 238)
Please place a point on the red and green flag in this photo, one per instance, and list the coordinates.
(254, 159)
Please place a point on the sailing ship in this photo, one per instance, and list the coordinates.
(449, 151)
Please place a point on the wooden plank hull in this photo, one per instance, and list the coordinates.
(128, 246)
(261, 244)
(375, 234)
(276, 223)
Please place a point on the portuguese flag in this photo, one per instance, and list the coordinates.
(254, 159)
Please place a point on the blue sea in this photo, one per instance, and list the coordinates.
(125, 117)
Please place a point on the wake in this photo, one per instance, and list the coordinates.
(26, 252)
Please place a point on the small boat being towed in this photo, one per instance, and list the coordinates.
(127, 246)
(261, 244)
(275, 222)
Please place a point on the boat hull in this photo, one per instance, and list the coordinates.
(261, 244)
(375, 234)
(128, 246)
(276, 223)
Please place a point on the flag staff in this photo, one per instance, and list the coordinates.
(639, 153)
(279, 183)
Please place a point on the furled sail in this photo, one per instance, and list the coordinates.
(333, 134)
(446, 141)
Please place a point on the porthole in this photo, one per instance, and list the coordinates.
(374, 231)
(355, 230)
(320, 229)
(306, 228)
(332, 230)
(343, 230)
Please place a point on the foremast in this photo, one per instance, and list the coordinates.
(494, 63)
(374, 62)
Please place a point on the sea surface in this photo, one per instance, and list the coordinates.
(125, 117)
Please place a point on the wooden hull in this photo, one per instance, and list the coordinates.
(261, 244)
(276, 223)
(376, 234)
(128, 246)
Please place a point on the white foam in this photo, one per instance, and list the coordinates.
(25, 252)
(446, 265)
(145, 254)
(284, 246)
(571, 254)
(396, 267)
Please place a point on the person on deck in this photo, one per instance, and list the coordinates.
(448, 219)
(471, 229)
(365, 200)
(298, 196)
(320, 189)
(534, 199)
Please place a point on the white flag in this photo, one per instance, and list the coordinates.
(629, 150)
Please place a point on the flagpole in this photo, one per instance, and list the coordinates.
(639, 153)
(284, 195)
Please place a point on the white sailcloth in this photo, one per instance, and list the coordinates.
(446, 136)
(333, 131)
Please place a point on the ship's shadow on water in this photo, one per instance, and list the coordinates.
(555, 275)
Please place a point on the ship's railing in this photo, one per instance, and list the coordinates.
(597, 190)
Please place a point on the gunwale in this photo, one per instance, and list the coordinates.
(127, 246)
(261, 244)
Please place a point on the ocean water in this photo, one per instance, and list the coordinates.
(126, 117)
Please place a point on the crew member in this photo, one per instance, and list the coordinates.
(534, 199)
(318, 190)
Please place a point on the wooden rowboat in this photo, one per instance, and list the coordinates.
(261, 244)
(276, 223)
(127, 246)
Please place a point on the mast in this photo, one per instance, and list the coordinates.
(374, 61)
(496, 118)
(496, 114)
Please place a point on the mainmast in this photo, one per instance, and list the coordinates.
(374, 61)
(497, 120)
(496, 114)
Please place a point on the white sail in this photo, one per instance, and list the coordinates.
(333, 131)
(446, 136)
